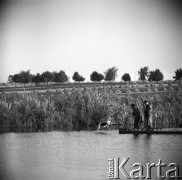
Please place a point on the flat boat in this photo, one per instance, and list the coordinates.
(151, 131)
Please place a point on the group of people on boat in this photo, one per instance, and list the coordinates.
(138, 122)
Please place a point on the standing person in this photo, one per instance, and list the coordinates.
(147, 109)
(151, 123)
(137, 117)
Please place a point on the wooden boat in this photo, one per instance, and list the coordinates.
(151, 131)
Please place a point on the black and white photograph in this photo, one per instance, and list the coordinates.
(90, 89)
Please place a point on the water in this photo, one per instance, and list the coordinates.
(60, 155)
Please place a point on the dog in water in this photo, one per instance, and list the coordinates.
(103, 124)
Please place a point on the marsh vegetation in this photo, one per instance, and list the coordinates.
(83, 107)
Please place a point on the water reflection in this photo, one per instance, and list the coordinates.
(81, 154)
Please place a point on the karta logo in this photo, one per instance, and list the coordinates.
(116, 168)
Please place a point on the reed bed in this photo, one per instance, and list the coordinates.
(83, 107)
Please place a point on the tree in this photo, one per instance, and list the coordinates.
(47, 77)
(111, 74)
(152, 76)
(95, 76)
(60, 77)
(25, 77)
(16, 78)
(82, 78)
(22, 77)
(156, 75)
(77, 77)
(126, 77)
(100, 77)
(143, 73)
(178, 74)
(37, 78)
(10, 79)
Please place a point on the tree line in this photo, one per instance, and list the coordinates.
(109, 75)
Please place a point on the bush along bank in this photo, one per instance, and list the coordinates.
(82, 108)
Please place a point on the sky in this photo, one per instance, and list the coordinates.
(90, 35)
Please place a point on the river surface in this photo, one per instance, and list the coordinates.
(77, 155)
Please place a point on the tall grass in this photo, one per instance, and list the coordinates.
(83, 107)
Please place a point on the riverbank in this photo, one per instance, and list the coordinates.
(82, 108)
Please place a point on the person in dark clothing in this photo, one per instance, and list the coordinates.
(137, 117)
(147, 109)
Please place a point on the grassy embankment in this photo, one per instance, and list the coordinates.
(82, 108)
(44, 88)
